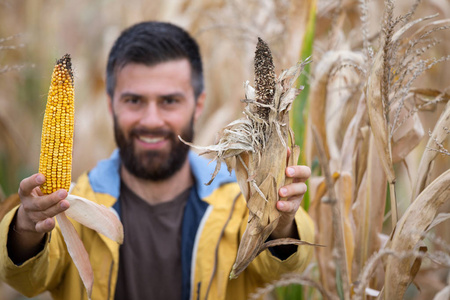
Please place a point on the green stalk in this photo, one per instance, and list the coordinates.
(300, 108)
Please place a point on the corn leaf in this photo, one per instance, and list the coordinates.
(439, 134)
(408, 233)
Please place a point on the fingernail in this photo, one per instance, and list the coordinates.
(281, 205)
(47, 222)
(283, 191)
(290, 171)
(40, 179)
(64, 205)
(62, 194)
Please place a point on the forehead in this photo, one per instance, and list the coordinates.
(175, 74)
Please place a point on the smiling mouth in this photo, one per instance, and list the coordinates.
(150, 140)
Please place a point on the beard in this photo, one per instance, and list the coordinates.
(153, 165)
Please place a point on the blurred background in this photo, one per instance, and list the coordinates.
(35, 33)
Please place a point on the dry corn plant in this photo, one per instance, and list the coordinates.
(395, 69)
(364, 119)
(55, 164)
(256, 146)
(281, 23)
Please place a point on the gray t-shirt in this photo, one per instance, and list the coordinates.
(150, 257)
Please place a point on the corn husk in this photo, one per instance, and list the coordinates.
(94, 216)
(77, 252)
(256, 147)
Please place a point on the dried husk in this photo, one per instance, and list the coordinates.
(339, 254)
(76, 250)
(324, 234)
(95, 216)
(256, 146)
(329, 110)
(368, 209)
(407, 136)
(439, 134)
(91, 215)
(344, 189)
(409, 231)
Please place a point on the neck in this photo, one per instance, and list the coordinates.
(155, 192)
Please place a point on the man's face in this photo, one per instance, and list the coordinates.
(151, 107)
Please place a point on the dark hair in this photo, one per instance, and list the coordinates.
(151, 43)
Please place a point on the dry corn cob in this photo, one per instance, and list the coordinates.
(256, 147)
(55, 161)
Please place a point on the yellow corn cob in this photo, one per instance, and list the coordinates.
(55, 161)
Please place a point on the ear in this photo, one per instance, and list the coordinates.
(199, 106)
(110, 108)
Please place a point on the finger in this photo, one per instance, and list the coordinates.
(28, 184)
(43, 220)
(56, 209)
(48, 203)
(294, 189)
(37, 191)
(301, 173)
(39, 220)
(45, 225)
(290, 206)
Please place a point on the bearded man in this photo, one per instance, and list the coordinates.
(181, 236)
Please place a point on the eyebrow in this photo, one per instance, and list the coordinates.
(165, 96)
(173, 95)
(126, 94)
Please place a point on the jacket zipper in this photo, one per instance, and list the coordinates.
(109, 279)
(216, 255)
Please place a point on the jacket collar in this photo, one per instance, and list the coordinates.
(105, 177)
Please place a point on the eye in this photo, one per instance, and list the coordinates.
(133, 100)
(170, 100)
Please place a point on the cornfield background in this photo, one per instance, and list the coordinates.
(372, 121)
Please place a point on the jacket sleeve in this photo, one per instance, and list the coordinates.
(268, 267)
(39, 273)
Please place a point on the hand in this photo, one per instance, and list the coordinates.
(293, 194)
(36, 212)
(34, 218)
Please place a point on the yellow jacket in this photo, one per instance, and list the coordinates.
(212, 226)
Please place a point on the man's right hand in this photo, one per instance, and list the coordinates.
(34, 218)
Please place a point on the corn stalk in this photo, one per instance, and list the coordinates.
(383, 130)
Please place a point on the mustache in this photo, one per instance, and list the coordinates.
(145, 131)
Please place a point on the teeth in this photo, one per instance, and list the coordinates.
(151, 140)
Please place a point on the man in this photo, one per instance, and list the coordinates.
(181, 236)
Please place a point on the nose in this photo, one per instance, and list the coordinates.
(152, 116)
